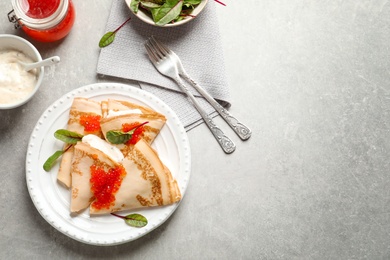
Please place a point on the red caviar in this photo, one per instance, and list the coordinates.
(138, 132)
(104, 185)
(90, 122)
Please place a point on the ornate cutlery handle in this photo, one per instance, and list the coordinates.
(226, 144)
(241, 130)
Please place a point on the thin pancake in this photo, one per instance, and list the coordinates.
(147, 183)
(80, 106)
(84, 158)
(120, 105)
(155, 120)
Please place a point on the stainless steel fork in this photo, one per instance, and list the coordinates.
(241, 130)
(166, 66)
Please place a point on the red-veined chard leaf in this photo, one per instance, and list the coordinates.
(118, 137)
(136, 220)
(67, 136)
(191, 3)
(169, 11)
(134, 4)
(107, 39)
(51, 160)
(133, 220)
(150, 5)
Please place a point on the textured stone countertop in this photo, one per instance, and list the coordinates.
(311, 79)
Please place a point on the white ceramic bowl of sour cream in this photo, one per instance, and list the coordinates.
(9, 44)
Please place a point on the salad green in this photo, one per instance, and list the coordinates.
(165, 11)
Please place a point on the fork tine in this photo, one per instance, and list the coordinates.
(160, 46)
(151, 53)
(159, 54)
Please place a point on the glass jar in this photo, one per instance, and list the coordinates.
(43, 20)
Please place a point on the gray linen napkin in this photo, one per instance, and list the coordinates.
(197, 43)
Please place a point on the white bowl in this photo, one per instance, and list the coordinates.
(148, 19)
(13, 42)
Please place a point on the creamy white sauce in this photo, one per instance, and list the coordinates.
(112, 113)
(15, 82)
(98, 143)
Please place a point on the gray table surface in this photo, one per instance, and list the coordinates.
(311, 78)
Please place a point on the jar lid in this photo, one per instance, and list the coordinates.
(43, 15)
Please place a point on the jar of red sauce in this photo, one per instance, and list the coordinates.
(43, 20)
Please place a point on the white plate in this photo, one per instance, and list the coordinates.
(52, 200)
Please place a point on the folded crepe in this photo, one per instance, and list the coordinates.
(147, 183)
(86, 158)
(140, 180)
(81, 108)
(117, 113)
(121, 105)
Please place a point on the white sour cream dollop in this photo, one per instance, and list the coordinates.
(96, 142)
(15, 82)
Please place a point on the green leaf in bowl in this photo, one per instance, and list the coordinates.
(168, 12)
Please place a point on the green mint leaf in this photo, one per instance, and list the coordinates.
(136, 220)
(67, 136)
(51, 160)
(118, 137)
(107, 39)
